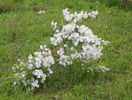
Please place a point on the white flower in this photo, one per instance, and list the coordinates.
(64, 59)
(72, 48)
(93, 14)
(76, 55)
(60, 52)
(54, 25)
(14, 83)
(41, 47)
(41, 12)
(65, 45)
(30, 57)
(30, 66)
(51, 60)
(103, 68)
(39, 73)
(35, 84)
(50, 71)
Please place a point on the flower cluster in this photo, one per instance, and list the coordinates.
(75, 17)
(83, 43)
(63, 59)
(74, 42)
(36, 69)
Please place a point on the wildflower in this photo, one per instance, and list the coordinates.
(41, 12)
(38, 73)
(34, 84)
(103, 68)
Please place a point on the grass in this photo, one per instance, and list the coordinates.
(22, 31)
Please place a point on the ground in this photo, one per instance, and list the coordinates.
(23, 30)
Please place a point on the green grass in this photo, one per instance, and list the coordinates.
(22, 31)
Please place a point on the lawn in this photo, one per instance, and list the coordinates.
(22, 31)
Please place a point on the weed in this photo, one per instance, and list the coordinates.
(5, 8)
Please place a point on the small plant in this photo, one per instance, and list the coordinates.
(70, 43)
(5, 8)
(37, 8)
(16, 31)
(126, 3)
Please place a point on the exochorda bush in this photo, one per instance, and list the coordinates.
(73, 42)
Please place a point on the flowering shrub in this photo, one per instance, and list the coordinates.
(72, 42)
